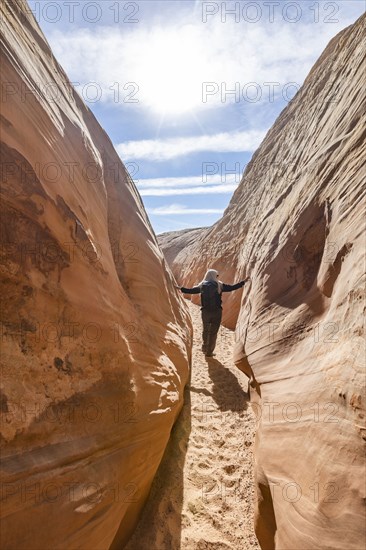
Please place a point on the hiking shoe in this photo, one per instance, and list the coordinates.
(210, 354)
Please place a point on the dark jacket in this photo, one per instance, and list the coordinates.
(225, 288)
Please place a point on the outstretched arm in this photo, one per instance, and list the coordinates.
(194, 290)
(229, 288)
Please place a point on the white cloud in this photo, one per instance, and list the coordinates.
(161, 192)
(169, 61)
(165, 149)
(191, 185)
(179, 209)
(172, 182)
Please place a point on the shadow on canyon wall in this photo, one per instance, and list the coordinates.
(165, 502)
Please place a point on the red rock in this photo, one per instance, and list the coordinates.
(96, 340)
(296, 226)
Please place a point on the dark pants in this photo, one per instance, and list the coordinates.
(211, 323)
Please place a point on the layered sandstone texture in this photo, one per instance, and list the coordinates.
(296, 226)
(175, 245)
(95, 338)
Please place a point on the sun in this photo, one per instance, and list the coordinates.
(170, 70)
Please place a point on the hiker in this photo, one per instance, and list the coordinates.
(211, 289)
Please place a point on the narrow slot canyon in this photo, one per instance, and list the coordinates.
(203, 494)
(117, 431)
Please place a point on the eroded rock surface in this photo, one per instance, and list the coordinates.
(295, 225)
(95, 338)
(176, 246)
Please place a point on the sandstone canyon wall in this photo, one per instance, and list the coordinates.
(176, 245)
(296, 226)
(95, 338)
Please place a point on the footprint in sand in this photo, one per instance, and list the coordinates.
(230, 469)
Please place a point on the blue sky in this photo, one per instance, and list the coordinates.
(187, 89)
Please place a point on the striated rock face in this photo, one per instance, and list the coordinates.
(176, 245)
(95, 338)
(295, 225)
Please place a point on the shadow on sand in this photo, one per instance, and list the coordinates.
(227, 392)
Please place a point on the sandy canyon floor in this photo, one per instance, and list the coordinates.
(203, 494)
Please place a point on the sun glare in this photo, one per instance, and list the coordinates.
(170, 71)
